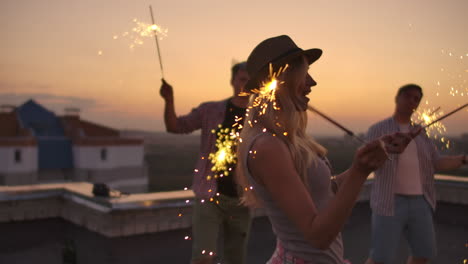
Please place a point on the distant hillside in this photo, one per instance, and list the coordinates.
(163, 138)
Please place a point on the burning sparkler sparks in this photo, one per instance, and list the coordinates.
(224, 158)
(425, 116)
(267, 93)
(446, 115)
(455, 78)
(430, 121)
(267, 96)
(140, 31)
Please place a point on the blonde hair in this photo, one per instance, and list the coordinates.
(288, 123)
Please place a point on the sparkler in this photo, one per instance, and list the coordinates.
(425, 116)
(445, 116)
(455, 78)
(140, 31)
(349, 132)
(267, 93)
(227, 138)
(154, 28)
(225, 156)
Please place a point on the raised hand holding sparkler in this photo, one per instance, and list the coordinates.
(166, 91)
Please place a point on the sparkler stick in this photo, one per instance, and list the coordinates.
(157, 43)
(349, 132)
(446, 115)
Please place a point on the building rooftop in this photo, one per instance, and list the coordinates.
(33, 119)
(49, 241)
(58, 223)
(37, 145)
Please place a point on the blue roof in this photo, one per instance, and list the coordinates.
(39, 120)
(55, 150)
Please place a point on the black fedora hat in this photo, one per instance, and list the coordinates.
(278, 51)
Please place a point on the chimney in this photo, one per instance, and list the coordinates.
(4, 108)
(72, 112)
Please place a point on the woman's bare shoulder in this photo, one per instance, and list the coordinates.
(267, 142)
(268, 149)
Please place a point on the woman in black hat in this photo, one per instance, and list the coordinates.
(284, 170)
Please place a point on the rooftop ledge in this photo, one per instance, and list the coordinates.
(138, 213)
(82, 192)
(112, 217)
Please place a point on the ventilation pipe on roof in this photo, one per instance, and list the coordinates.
(72, 111)
(4, 108)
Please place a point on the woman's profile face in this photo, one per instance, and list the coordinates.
(305, 83)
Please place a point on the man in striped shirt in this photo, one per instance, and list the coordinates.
(403, 195)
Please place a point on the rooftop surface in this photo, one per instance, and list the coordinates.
(53, 223)
(54, 240)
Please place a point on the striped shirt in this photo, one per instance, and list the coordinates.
(207, 116)
(383, 186)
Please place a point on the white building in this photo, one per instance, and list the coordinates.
(38, 146)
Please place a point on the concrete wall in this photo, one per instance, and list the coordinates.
(107, 157)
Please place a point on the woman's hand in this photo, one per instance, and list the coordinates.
(369, 157)
(397, 142)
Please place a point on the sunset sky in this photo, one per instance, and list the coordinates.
(64, 54)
